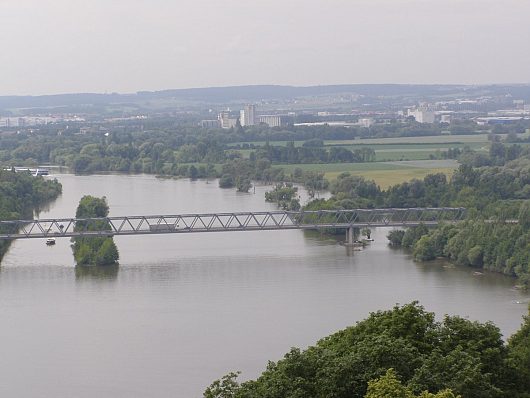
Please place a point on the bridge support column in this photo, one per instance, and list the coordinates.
(349, 236)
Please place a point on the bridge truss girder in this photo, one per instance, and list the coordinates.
(224, 222)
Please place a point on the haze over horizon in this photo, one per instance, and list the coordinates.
(129, 46)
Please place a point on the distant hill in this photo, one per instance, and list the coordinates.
(261, 92)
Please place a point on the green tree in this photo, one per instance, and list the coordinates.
(226, 387)
(396, 237)
(226, 181)
(387, 386)
(243, 184)
(424, 249)
(93, 250)
(519, 358)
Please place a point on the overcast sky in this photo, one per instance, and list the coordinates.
(58, 46)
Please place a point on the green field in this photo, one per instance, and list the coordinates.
(384, 174)
(434, 139)
(401, 148)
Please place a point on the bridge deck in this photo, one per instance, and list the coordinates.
(225, 222)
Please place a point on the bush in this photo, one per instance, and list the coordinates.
(226, 181)
(475, 256)
(424, 249)
(396, 237)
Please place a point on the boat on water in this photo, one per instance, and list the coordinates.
(50, 241)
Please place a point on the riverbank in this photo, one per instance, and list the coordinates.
(22, 194)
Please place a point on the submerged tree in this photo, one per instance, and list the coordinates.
(285, 196)
(100, 250)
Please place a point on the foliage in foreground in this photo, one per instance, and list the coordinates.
(402, 352)
(94, 250)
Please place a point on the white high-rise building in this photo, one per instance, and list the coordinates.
(248, 115)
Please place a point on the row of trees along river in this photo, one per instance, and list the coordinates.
(22, 194)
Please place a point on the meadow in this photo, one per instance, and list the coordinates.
(400, 148)
(384, 174)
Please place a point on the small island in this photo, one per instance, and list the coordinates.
(100, 250)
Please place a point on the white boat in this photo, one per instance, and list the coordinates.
(50, 241)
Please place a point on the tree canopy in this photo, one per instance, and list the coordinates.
(402, 352)
(94, 250)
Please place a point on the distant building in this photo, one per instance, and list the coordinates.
(210, 124)
(499, 120)
(519, 104)
(445, 119)
(248, 115)
(422, 115)
(366, 122)
(225, 121)
(275, 120)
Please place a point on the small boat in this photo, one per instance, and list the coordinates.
(50, 241)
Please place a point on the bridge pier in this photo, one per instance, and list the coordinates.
(349, 236)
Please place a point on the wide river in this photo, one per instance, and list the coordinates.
(183, 310)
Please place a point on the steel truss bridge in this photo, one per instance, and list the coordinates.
(224, 222)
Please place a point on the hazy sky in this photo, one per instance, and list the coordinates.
(56, 46)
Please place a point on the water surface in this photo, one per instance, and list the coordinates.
(182, 310)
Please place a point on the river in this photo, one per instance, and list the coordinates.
(183, 310)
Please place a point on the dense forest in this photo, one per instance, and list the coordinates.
(94, 250)
(496, 194)
(400, 353)
(21, 194)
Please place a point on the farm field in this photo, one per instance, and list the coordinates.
(401, 148)
(431, 139)
(384, 174)
(388, 178)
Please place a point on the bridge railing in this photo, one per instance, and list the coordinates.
(216, 222)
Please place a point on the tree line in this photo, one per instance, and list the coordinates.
(22, 194)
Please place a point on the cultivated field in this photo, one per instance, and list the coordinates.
(401, 148)
(384, 174)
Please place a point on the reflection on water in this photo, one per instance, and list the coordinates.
(107, 272)
(182, 310)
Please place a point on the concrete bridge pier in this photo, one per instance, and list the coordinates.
(349, 237)
(350, 240)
